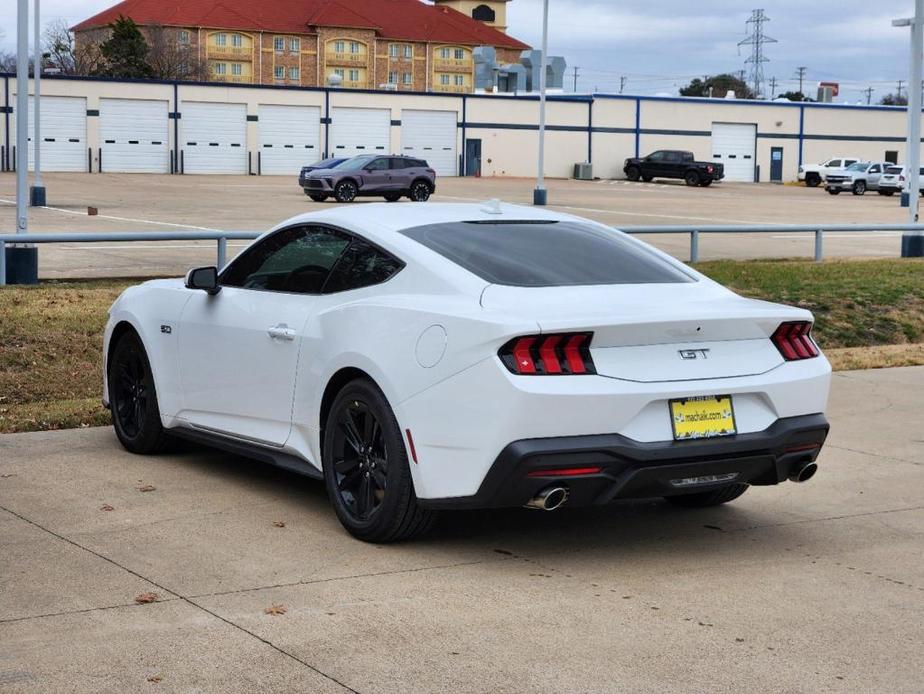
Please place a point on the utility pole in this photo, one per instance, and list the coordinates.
(772, 87)
(540, 194)
(576, 73)
(800, 72)
(913, 241)
(869, 95)
(22, 115)
(37, 191)
(756, 40)
(899, 92)
(622, 84)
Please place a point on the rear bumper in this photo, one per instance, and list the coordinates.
(630, 469)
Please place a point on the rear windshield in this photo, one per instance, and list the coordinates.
(546, 254)
(894, 170)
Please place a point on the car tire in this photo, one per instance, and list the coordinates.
(633, 173)
(133, 397)
(887, 193)
(812, 180)
(316, 197)
(706, 183)
(692, 178)
(393, 197)
(833, 192)
(648, 179)
(420, 191)
(346, 191)
(716, 497)
(361, 437)
(859, 188)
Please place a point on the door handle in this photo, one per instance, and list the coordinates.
(281, 332)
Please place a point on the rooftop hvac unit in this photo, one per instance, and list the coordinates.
(584, 171)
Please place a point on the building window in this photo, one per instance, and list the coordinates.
(295, 45)
(460, 54)
(354, 75)
(183, 37)
(408, 51)
(354, 47)
(339, 72)
(279, 44)
(460, 80)
(221, 39)
(237, 40)
(408, 78)
(393, 50)
(392, 77)
(445, 53)
(279, 72)
(294, 74)
(444, 79)
(483, 13)
(236, 69)
(221, 68)
(339, 46)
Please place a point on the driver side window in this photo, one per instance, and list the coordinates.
(656, 156)
(296, 260)
(378, 165)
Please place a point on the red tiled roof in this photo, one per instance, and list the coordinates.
(410, 20)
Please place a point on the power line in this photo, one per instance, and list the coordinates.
(801, 75)
(756, 40)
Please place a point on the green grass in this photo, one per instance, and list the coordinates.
(870, 313)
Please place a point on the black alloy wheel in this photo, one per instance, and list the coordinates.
(133, 398)
(346, 191)
(633, 173)
(420, 191)
(366, 468)
(692, 178)
(812, 180)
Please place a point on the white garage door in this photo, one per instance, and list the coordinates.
(214, 138)
(360, 131)
(63, 133)
(289, 138)
(133, 136)
(431, 135)
(734, 144)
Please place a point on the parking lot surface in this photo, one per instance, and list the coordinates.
(796, 588)
(129, 202)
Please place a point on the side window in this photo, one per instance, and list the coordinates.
(834, 164)
(656, 156)
(850, 162)
(379, 164)
(673, 157)
(296, 260)
(874, 168)
(362, 265)
(398, 163)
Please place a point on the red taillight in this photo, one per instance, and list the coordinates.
(565, 472)
(561, 354)
(794, 340)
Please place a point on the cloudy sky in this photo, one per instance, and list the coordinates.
(659, 46)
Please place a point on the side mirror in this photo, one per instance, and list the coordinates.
(204, 278)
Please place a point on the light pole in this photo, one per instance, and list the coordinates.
(540, 194)
(37, 191)
(22, 114)
(913, 241)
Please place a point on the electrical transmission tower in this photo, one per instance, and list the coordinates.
(756, 40)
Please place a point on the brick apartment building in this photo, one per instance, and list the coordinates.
(403, 45)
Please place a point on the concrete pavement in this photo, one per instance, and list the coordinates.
(797, 588)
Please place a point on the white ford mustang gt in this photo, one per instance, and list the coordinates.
(423, 357)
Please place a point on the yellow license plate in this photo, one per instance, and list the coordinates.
(703, 417)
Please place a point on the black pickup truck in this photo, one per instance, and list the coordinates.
(670, 163)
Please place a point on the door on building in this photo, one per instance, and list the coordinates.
(431, 135)
(473, 157)
(776, 164)
(734, 145)
(359, 131)
(214, 138)
(133, 136)
(289, 138)
(891, 156)
(64, 133)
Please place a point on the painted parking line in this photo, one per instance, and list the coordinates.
(60, 210)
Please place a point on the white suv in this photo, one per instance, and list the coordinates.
(814, 174)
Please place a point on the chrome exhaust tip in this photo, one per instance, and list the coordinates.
(803, 472)
(549, 499)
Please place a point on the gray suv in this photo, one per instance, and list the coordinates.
(391, 177)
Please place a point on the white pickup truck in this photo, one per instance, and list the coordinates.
(814, 174)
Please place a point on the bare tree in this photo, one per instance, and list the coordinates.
(171, 60)
(7, 61)
(61, 51)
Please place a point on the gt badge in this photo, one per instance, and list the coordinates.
(694, 354)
